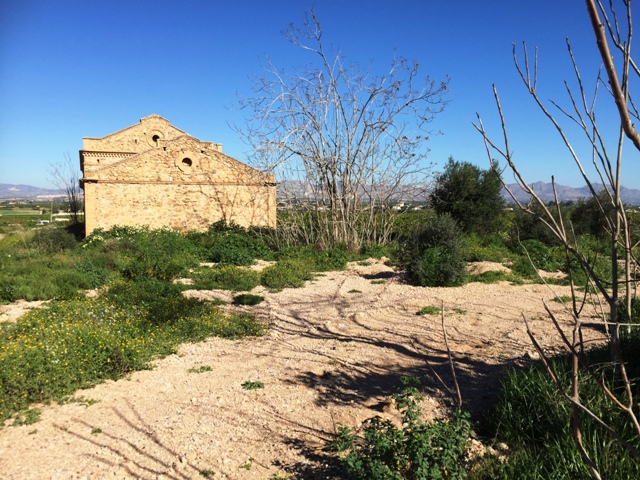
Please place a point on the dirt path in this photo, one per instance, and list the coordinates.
(334, 352)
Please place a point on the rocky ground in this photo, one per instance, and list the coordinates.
(333, 354)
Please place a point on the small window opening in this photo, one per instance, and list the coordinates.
(156, 140)
(187, 162)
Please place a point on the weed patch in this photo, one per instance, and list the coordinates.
(417, 451)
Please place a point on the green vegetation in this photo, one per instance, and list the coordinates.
(247, 299)
(224, 277)
(255, 385)
(429, 310)
(432, 254)
(535, 422)
(417, 451)
(470, 195)
(51, 352)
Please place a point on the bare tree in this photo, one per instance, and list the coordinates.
(343, 141)
(64, 175)
(621, 72)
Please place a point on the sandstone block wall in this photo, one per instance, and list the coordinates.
(157, 175)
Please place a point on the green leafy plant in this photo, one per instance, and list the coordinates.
(252, 385)
(417, 451)
(563, 299)
(378, 281)
(96, 431)
(27, 416)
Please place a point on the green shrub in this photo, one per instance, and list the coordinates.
(225, 277)
(417, 451)
(432, 254)
(623, 317)
(542, 256)
(43, 277)
(291, 273)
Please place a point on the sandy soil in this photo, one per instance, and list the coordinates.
(333, 353)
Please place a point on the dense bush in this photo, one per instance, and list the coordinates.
(42, 277)
(432, 254)
(417, 451)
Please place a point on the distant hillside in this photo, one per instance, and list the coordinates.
(26, 191)
(630, 196)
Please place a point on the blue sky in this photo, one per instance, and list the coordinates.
(70, 69)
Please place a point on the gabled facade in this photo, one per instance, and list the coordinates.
(157, 175)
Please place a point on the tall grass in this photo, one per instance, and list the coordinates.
(535, 422)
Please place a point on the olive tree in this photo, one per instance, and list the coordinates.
(344, 141)
(614, 34)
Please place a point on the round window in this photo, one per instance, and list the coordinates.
(187, 162)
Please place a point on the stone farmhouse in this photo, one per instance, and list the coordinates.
(154, 174)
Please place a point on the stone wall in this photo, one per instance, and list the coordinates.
(156, 175)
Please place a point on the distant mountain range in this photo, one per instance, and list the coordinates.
(629, 196)
(8, 191)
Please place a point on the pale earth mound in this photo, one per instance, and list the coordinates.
(333, 353)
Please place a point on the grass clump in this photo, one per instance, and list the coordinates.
(49, 353)
(417, 451)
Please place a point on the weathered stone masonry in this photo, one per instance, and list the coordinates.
(155, 174)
